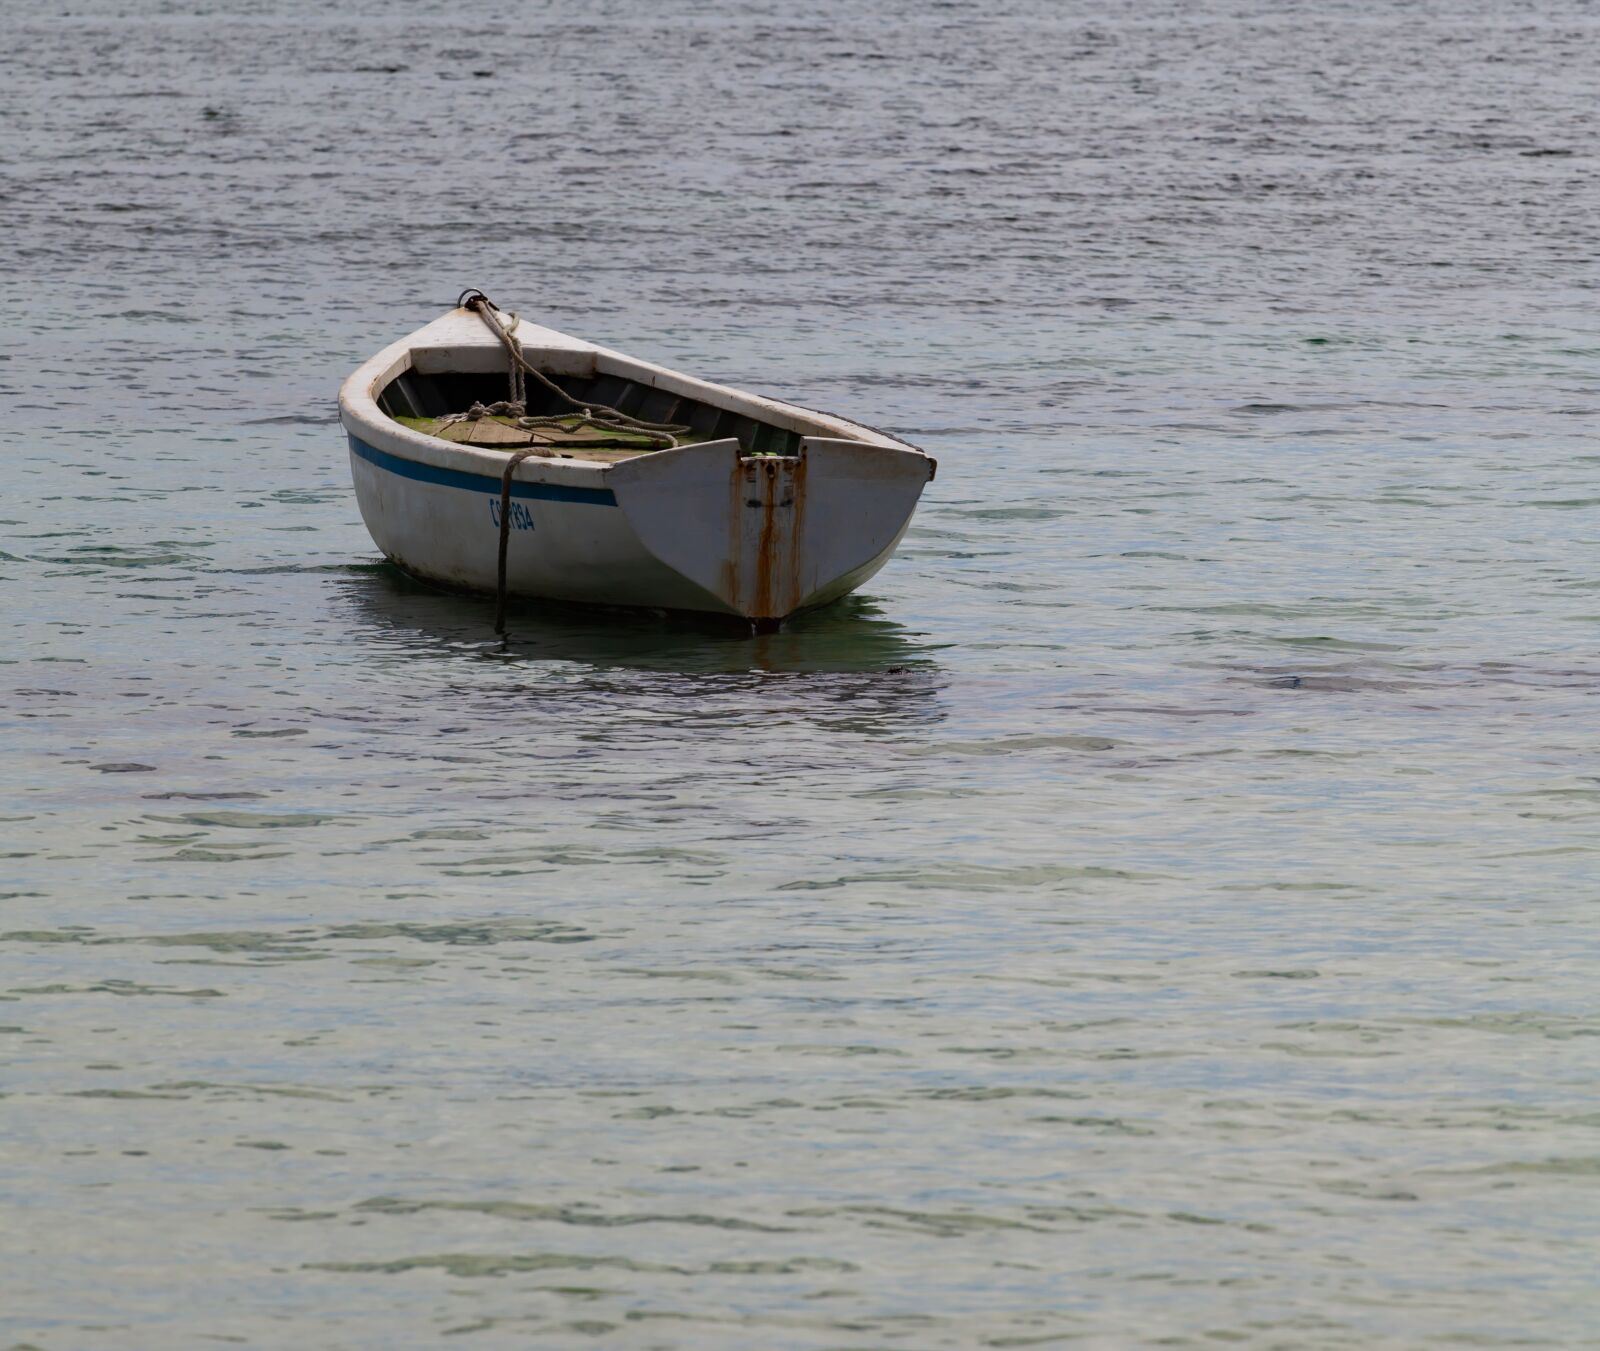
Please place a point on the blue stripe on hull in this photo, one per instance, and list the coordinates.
(478, 483)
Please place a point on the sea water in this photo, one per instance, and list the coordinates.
(1159, 908)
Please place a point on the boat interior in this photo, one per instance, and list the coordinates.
(434, 404)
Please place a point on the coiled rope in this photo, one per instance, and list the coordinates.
(664, 435)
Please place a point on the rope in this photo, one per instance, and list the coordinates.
(561, 422)
(593, 414)
(505, 537)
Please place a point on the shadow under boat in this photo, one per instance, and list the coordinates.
(850, 635)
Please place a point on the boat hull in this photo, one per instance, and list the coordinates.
(740, 545)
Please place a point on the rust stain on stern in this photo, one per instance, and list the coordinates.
(766, 538)
(755, 532)
(797, 530)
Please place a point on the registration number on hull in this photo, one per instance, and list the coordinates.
(521, 517)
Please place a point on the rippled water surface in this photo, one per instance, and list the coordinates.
(1160, 908)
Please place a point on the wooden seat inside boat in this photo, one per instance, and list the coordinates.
(435, 405)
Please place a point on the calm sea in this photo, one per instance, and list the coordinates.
(1160, 909)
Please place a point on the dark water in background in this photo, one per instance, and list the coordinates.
(1161, 908)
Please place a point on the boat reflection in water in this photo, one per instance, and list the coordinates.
(845, 665)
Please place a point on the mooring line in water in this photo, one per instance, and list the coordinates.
(512, 461)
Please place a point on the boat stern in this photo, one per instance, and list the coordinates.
(768, 535)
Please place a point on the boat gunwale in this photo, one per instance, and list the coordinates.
(358, 405)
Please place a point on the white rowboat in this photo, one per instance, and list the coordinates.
(758, 510)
